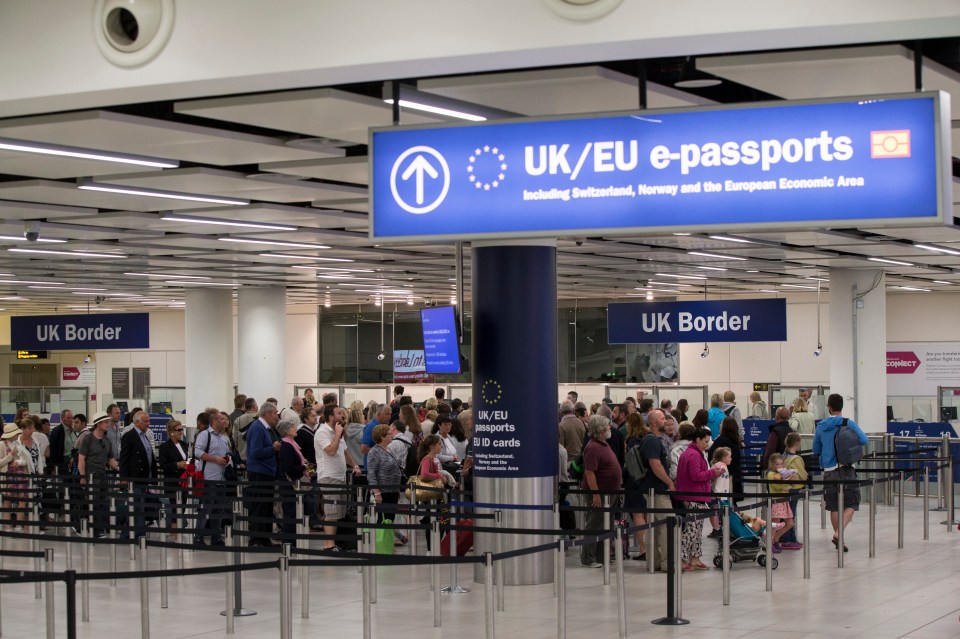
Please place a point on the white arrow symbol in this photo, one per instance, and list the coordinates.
(420, 166)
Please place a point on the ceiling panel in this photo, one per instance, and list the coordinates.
(122, 133)
(50, 192)
(329, 113)
(11, 210)
(352, 169)
(831, 73)
(591, 89)
(207, 181)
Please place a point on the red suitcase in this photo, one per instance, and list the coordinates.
(464, 540)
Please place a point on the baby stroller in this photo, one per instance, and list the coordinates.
(745, 544)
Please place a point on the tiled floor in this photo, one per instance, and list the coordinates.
(914, 592)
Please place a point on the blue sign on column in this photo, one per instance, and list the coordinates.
(80, 332)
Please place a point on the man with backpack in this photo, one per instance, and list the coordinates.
(839, 442)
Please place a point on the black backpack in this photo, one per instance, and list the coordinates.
(411, 465)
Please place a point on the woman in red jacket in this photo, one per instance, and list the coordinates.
(693, 475)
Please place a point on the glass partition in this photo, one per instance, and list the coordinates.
(620, 392)
(948, 404)
(784, 394)
(463, 392)
(912, 409)
(696, 397)
(59, 398)
(43, 400)
(586, 393)
(319, 390)
(171, 400)
(365, 393)
(420, 393)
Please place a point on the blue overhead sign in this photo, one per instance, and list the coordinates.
(762, 320)
(80, 332)
(854, 162)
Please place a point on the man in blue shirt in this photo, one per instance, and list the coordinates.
(825, 446)
(262, 450)
(366, 441)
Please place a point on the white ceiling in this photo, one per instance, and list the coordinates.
(297, 156)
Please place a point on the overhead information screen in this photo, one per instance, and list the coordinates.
(441, 347)
(880, 160)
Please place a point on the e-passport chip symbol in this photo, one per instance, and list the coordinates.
(890, 144)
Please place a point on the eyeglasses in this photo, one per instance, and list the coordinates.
(178, 430)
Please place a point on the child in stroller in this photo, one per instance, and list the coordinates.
(746, 541)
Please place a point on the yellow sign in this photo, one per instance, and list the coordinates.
(31, 354)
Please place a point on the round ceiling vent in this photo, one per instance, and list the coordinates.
(130, 33)
(582, 9)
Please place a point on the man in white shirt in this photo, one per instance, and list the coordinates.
(332, 461)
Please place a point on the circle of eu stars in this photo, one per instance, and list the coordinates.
(487, 168)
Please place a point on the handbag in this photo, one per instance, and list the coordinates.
(424, 492)
(384, 539)
(192, 472)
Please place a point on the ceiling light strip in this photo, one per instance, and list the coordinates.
(886, 261)
(244, 240)
(67, 253)
(717, 255)
(89, 185)
(25, 146)
(221, 222)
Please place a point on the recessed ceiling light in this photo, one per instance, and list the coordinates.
(682, 277)
(727, 238)
(289, 256)
(710, 268)
(15, 298)
(702, 83)
(333, 268)
(941, 282)
(106, 294)
(68, 288)
(18, 238)
(912, 288)
(817, 279)
(812, 288)
(767, 290)
(930, 247)
(681, 234)
(30, 282)
(669, 283)
(89, 185)
(429, 108)
(206, 220)
(67, 253)
(179, 283)
(717, 255)
(886, 261)
(753, 271)
(244, 240)
(182, 277)
(84, 154)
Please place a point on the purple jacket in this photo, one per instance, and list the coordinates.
(693, 474)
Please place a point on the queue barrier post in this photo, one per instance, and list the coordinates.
(85, 568)
(562, 584)
(840, 522)
(891, 464)
(941, 473)
(360, 513)
(229, 577)
(35, 541)
(672, 618)
(556, 526)
(606, 540)
(725, 551)
(163, 560)
(872, 539)
(900, 511)
(926, 505)
(768, 559)
(113, 536)
(305, 580)
(372, 547)
(454, 588)
(621, 595)
(823, 510)
(651, 539)
(48, 565)
(283, 564)
(498, 518)
(677, 567)
(413, 506)
(131, 519)
(806, 533)
(144, 592)
(70, 576)
(238, 609)
(951, 507)
(435, 570)
(488, 595)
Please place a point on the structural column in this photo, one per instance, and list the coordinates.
(262, 342)
(858, 344)
(208, 332)
(515, 443)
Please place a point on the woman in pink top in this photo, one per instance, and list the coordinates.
(693, 475)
